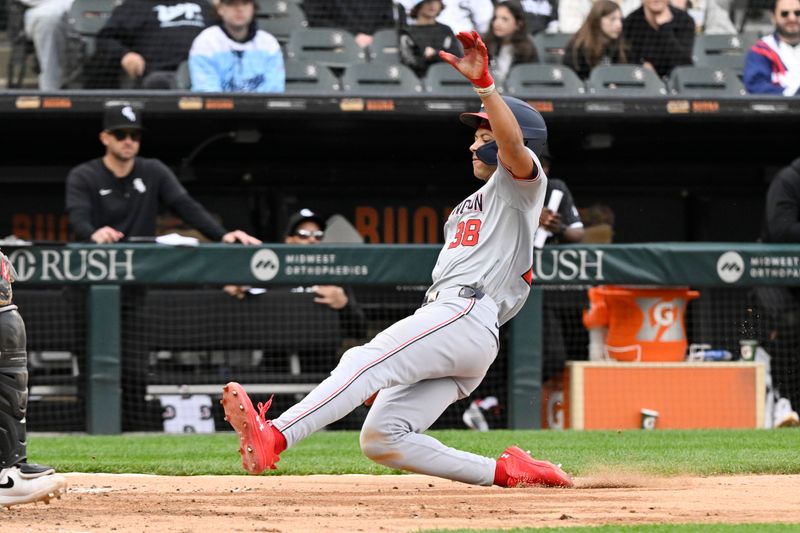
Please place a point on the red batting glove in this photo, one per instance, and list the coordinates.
(475, 63)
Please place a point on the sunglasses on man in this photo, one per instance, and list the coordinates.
(307, 234)
(785, 13)
(121, 135)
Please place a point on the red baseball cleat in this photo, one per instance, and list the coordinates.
(256, 436)
(521, 469)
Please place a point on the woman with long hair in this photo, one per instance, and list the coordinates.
(598, 41)
(508, 40)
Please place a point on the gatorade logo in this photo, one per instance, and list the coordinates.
(663, 319)
(730, 267)
(264, 265)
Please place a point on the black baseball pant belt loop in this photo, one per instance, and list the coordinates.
(461, 292)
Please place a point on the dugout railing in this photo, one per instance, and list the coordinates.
(104, 303)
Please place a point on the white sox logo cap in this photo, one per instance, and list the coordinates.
(122, 115)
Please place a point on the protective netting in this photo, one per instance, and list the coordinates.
(93, 38)
(190, 340)
(55, 323)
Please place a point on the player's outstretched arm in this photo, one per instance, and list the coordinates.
(475, 67)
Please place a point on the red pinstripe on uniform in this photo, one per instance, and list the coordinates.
(379, 360)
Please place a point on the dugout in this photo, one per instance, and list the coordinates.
(670, 169)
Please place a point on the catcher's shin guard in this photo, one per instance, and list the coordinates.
(13, 387)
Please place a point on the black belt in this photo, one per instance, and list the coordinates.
(463, 292)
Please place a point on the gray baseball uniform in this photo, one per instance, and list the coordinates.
(441, 353)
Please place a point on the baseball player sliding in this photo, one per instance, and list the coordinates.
(441, 353)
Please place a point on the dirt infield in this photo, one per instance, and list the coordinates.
(325, 504)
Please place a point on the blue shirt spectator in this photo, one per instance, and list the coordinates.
(235, 56)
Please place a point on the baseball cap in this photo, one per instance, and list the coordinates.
(122, 115)
(417, 5)
(301, 216)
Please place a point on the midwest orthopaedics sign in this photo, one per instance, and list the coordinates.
(320, 265)
(73, 265)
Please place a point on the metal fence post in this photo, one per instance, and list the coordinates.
(525, 365)
(104, 393)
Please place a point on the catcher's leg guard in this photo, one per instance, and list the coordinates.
(13, 387)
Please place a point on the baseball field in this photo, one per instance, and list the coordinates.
(630, 481)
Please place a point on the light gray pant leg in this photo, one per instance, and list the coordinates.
(46, 26)
(392, 434)
(449, 339)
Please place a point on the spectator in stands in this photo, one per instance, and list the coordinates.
(467, 15)
(781, 305)
(45, 24)
(660, 36)
(362, 18)
(307, 227)
(772, 65)
(116, 197)
(421, 41)
(573, 13)
(236, 56)
(541, 15)
(599, 41)
(709, 16)
(144, 42)
(508, 40)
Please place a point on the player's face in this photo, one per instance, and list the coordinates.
(122, 144)
(611, 24)
(481, 170)
(787, 19)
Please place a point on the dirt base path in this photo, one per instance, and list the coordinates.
(327, 504)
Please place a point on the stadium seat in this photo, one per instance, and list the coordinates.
(280, 18)
(380, 78)
(183, 78)
(551, 46)
(385, 47)
(722, 51)
(308, 77)
(21, 48)
(85, 19)
(331, 47)
(442, 79)
(531, 80)
(625, 80)
(705, 81)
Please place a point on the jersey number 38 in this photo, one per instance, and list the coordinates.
(467, 233)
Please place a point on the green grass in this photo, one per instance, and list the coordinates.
(649, 528)
(337, 452)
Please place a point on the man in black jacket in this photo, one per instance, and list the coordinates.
(146, 40)
(660, 36)
(117, 196)
(781, 304)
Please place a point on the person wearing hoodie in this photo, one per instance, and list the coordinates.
(235, 56)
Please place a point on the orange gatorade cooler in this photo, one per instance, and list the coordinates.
(643, 324)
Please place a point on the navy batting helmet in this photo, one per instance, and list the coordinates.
(534, 130)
